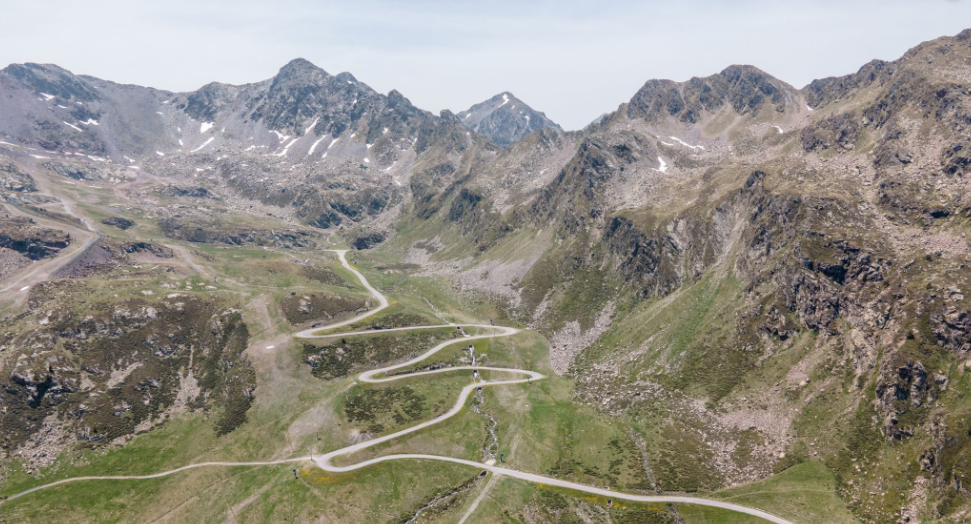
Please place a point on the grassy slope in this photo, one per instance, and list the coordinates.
(803, 494)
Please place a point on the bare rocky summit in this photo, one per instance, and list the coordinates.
(505, 119)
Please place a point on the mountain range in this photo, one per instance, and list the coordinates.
(750, 275)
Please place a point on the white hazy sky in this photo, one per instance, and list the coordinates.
(573, 59)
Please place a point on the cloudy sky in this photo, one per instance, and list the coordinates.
(573, 59)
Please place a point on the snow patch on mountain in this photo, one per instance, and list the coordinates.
(311, 126)
(286, 148)
(685, 144)
(204, 144)
(313, 146)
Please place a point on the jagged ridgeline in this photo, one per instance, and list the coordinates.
(748, 277)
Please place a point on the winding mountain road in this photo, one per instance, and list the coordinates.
(325, 462)
(382, 301)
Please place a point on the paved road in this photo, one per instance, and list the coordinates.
(325, 461)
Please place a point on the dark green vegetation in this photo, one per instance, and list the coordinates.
(643, 515)
(618, 463)
(318, 306)
(393, 320)
(204, 230)
(115, 366)
(119, 222)
(372, 407)
(343, 356)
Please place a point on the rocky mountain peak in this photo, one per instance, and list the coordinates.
(505, 119)
(347, 77)
(395, 97)
(301, 68)
(447, 116)
(301, 92)
(50, 80)
(745, 89)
